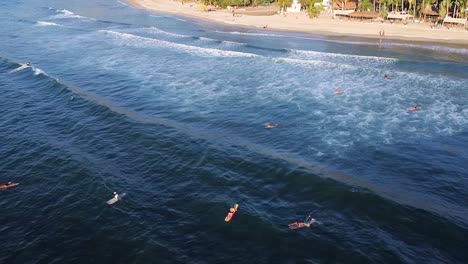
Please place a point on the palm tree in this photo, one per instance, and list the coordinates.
(446, 14)
(442, 9)
(457, 6)
(412, 3)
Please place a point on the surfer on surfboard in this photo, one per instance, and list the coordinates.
(231, 213)
(271, 125)
(299, 224)
(8, 185)
(414, 108)
(117, 198)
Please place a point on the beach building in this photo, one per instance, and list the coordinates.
(295, 7)
(345, 5)
(326, 3)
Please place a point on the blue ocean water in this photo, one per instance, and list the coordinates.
(172, 110)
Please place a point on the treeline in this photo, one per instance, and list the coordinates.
(226, 3)
(308, 5)
(417, 8)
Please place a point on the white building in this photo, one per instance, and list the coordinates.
(295, 7)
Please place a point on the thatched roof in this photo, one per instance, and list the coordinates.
(364, 14)
(431, 11)
(349, 5)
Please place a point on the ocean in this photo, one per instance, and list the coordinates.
(171, 111)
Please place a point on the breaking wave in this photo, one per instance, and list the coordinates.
(138, 41)
(46, 24)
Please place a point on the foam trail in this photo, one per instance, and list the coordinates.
(38, 71)
(123, 3)
(20, 68)
(249, 34)
(69, 14)
(428, 47)
(45, 24)
(156, 30)
(231, 43)
(312, 63)
(180, 19)
(373, 43)
(339, 56)
(139, 41)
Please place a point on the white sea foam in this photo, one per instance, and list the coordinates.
(155, 30)
(138, 41)
(38, 71)
(250, 34)
(339, 56)
(312, 63)
(231, 43)
(46, 24)
(122, 3)
(427, 47)
(20, 68)
(372, 43)
(68, 14)
(180, 19)
(206, 39)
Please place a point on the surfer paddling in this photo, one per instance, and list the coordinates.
(271, 125)
(117, 198)
(231, 213)
(414, 108)
(8, 185)
(338, 91)
(300, 224)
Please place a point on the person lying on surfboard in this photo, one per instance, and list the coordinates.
(271, 125)
(299, 224)
(414, 108)
(231, 213)
(8, 185)
(117, 198)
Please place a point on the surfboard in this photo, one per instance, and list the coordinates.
(294, 226)
(22, 67)
(230, 215)
(114, 200)
(9, 186)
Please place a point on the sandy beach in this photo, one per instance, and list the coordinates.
(324, 25)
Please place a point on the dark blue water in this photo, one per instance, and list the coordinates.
(172, 110)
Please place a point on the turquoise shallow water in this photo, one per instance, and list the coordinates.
(171, 111)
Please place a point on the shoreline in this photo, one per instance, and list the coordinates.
(324, 25)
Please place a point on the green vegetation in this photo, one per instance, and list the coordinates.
(413, 7)
(284, 3)
(366, 5)
(314, 10)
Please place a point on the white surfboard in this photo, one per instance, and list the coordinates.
(114, 200)
(22, 67)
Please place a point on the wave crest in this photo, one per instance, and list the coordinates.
(138, 41)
